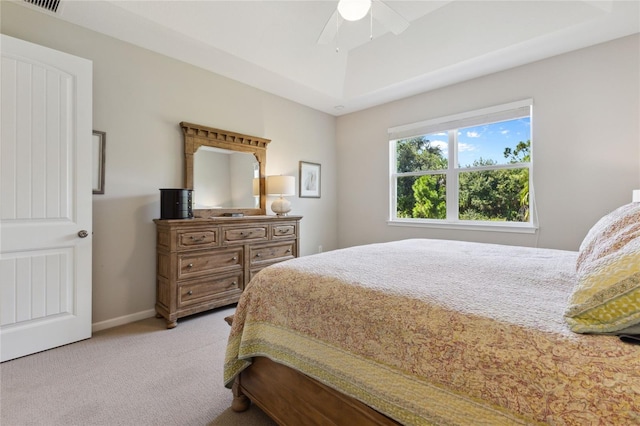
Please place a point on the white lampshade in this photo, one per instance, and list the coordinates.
(636, 196)
(281, 185)
(353, 10)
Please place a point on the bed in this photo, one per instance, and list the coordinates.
(421, 331)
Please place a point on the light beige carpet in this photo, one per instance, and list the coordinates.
(136, 374)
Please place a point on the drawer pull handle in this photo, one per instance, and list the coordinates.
(234, 283)
(288, 251)
(257, 254)
(235, 258)
(189, 293)
(190, 265)
(197, 240)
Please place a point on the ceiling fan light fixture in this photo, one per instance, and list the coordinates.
(354, 10)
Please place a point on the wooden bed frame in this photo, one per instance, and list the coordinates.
(292, 398)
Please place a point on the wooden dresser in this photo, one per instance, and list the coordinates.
(206, 263)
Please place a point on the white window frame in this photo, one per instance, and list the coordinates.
(452, 124)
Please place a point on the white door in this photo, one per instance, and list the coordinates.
(45, 198)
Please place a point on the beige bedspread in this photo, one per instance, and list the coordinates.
(430, 331)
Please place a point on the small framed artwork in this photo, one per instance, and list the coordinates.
(99, 141)
(309, 180)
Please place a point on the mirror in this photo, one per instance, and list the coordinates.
(226, 170)
(224, 179)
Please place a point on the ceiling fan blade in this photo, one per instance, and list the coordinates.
(330, 29)
(389, 17)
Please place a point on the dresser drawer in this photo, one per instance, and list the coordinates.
(283, 232)
(247, 234)
(204, 290)
(197, 239)
(271, 253)
(208, 262)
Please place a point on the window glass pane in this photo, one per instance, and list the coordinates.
(427, 152)
(496, 143)
(422, 197)
(495, 195)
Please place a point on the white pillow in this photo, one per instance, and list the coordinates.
(606, 297)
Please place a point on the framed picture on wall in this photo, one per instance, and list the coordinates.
(99, 141)
(309, 180)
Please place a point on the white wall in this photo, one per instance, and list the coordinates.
(140, 98)
(586, 145)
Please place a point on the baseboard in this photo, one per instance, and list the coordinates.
(126, 319)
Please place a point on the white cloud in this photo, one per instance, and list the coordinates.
(473, 134)
(443, 145)
(465, 147)
(504, 132)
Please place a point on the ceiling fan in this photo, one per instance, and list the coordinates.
(354, 10)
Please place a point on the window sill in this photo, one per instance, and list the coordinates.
(522, 228)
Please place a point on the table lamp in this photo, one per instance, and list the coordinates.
(282, 186)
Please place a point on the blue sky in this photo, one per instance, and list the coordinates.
(486, 141)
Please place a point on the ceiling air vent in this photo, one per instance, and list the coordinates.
(50, 5)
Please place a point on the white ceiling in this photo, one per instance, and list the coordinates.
(271, 44)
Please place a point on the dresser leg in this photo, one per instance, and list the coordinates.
(172, 324)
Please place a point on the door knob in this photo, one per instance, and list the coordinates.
(83, 234)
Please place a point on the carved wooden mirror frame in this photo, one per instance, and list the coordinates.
(196, 136)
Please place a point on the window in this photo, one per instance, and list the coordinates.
(468, 170)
